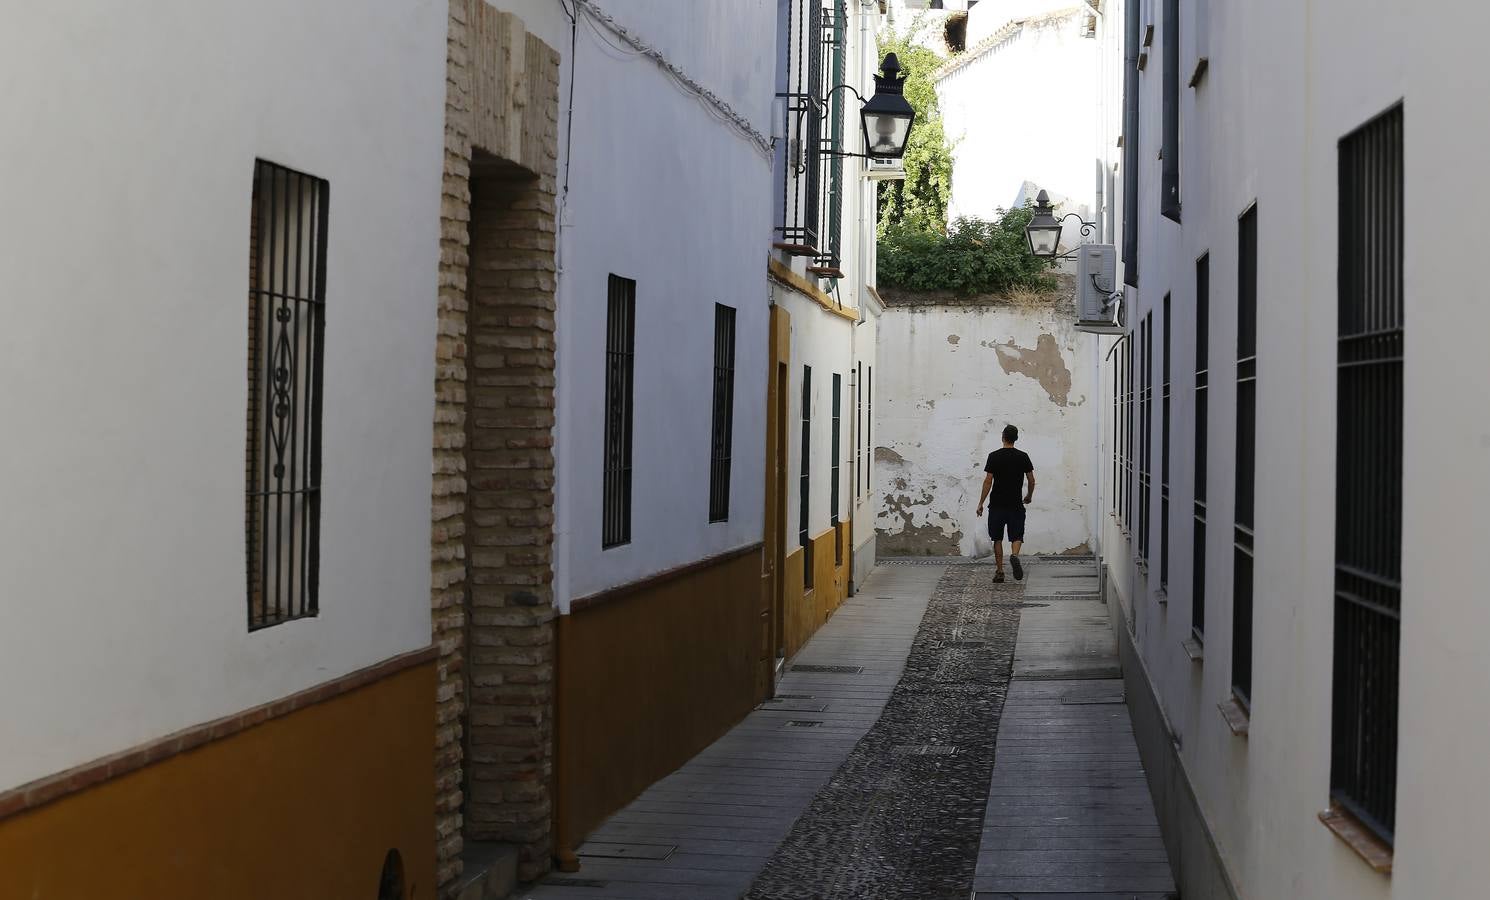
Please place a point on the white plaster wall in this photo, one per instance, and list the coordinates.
(1286, 81)
(951, 378)
(662, 191)
(128, 164)
(1021, 111)
(989, 16)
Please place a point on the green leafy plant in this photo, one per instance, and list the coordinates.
(974, 256)
(920, 201)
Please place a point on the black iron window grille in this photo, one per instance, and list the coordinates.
(804, 481)
(286, 337)
(1368, 479)
(1117, 435)
(1129, 404)
(620, 355)
(1164, 457)
(869, 432)
(829, 260)
(834, 472)
(1145, 432)
(1246, 456)
(1169, 174)
(1202, 422)
(859, 432)
(1130, 145)
(801, 169)
(722, 440)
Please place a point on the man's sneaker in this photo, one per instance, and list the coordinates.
(998, 577)
(1018, 569)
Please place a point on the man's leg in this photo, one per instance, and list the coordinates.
(1016, 541)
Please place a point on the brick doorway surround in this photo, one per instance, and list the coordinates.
(492, 513)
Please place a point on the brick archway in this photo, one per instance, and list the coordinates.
(492, 512)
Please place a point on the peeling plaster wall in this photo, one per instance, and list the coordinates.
(951, 377)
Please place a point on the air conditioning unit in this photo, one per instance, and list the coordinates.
(1098, 295)
(884, 169)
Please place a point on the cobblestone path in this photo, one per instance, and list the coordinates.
(902, 816)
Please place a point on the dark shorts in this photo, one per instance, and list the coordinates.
(1001, 517)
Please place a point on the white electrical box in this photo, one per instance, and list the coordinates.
(884, 169)
(1096, 286)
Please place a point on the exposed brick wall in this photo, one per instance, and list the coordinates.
(493, 468)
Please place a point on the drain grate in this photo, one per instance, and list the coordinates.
(804, 723)
(613, 850)
(924, 750)
(830, 670)
(796, 697)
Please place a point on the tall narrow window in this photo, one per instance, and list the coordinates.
(1145, 432)
(1368, 477)
(1246, 456)
(722, 440)
(1164, 457)
(620, 351)
(1129, 431)
(834, 27)
(1169, 175)
(1117, 434)
(859, 433)
(286, 334)
(869, 432)
(834, 470)
(1130, 146)
(805, 480)
(1202, 422)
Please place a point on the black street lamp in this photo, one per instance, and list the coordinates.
(887, 116)
(1044, 229)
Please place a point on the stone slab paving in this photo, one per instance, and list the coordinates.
(1069, 812)
(721, 816)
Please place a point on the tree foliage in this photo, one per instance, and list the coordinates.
(973, 256)
(921, 199)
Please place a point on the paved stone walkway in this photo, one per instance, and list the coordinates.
(843, 786)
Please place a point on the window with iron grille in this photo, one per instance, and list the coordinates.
(1202, 422)
(1117, 434)
(1130, 468)
(1145, 431)
(1368, 475)
(1164, 457)
(859, 433)
(1130, 146)
(1169, 174)
(834, 472)
(1246, 456)
(805, 480)
(829, 260)
(722, 441)
(869, 432)
(620, 352)
(286, 336)
(801, 162)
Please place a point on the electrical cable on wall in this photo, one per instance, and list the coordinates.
(601, 22)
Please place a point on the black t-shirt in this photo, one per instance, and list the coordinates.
(1007, 466)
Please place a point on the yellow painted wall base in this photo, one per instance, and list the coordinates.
(302, 806)
(807, 610)
(650, 678)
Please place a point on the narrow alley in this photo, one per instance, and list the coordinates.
(941, 736)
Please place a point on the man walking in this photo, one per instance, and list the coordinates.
(1006, 468)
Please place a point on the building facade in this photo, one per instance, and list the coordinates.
(821, 360)
(218, 678)
(1293, 523)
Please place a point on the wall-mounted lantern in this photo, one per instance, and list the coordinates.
(1044, 230)
(887, 116)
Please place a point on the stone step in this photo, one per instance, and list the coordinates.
(489, 871)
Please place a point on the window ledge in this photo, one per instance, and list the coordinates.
(1376, 852)
(1236, 717)
(1194, 649)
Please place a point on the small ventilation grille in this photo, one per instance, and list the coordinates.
(804, 723)
(830, 670)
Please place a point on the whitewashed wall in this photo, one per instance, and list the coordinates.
(1286, 81)
(1018, 111)
(128, 165)
(663, 191)
(950, 378)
